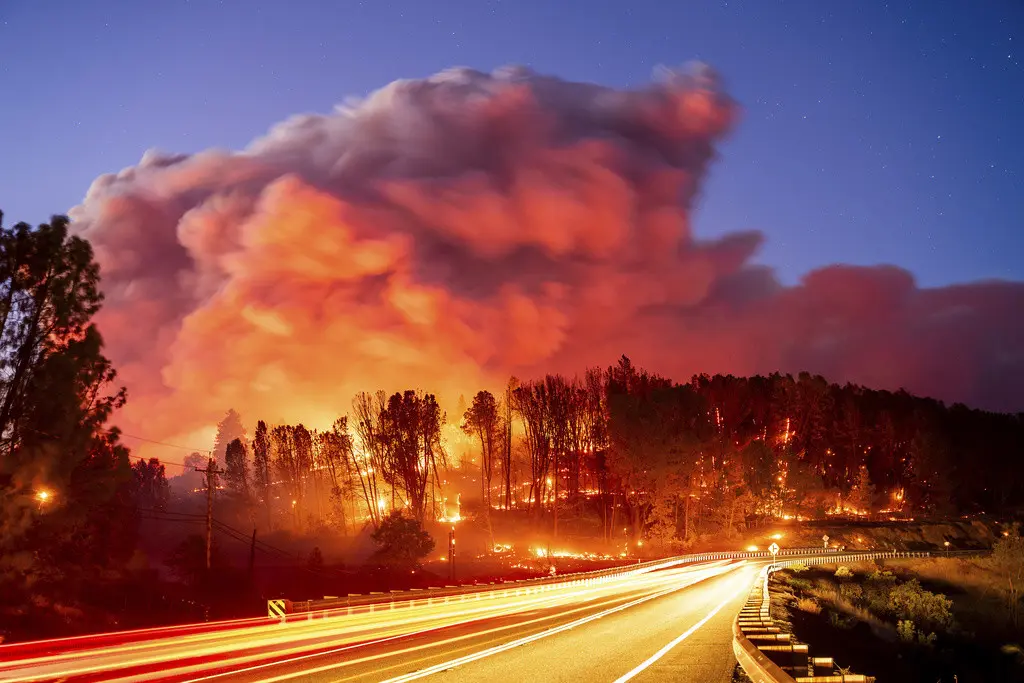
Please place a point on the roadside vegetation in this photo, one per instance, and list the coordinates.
(929, 619)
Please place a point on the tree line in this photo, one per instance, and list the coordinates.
(622, 448)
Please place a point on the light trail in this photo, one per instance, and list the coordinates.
(197, 650)
(444, 666)
(547, 602)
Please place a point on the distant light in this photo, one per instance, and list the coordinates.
(945, 543)
(640, 543)
(777, 537)
(751, 548)
(43, 496)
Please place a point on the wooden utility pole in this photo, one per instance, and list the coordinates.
(252, 555)
(451, 553)
(211, 473)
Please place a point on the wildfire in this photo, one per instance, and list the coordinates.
(456, 516)
(566, 554)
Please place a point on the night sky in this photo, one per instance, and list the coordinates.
(872, 132)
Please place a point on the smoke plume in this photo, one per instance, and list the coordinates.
(446, 233)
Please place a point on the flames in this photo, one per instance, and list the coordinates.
(448, 516)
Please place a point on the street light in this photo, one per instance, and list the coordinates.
(43, 497)
(946, 543)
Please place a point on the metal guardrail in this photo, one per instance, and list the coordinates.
(753, 630)
(359, 603)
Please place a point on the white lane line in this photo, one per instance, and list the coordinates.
(444, 666)
(686, 634)
(512, 609)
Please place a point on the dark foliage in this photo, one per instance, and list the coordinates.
(402, 542)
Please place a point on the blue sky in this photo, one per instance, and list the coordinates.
(872, 132)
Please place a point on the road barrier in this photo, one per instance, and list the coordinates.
(754, 633)
(360, 603)
(277, 609)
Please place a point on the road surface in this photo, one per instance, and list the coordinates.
(670, 624)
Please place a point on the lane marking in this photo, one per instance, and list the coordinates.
(467, 659)
(271, 634)
(506, 606)
(686, 634)
(549, 602)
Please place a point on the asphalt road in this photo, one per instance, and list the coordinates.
(672, 624)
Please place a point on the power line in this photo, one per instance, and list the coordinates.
(172, 464)
(164, 443)
(234, 534)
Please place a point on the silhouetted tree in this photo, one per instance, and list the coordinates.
(236, 462)
(55, 402)
(228, 429)
(402, 542)
(482, 422)
(150, 489)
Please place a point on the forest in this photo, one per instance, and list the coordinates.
(621, 447)
(610, 453)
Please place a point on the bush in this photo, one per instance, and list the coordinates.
(908, 633)
(809, 605)
(403, 542)
(844, 573)
(882, 576)
(798, 568)
(800, 584)
(851, 592)
(910, 601)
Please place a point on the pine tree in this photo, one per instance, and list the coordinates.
(261, 466)
(228, 429)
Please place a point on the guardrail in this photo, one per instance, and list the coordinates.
(756, 640)
(287, 610)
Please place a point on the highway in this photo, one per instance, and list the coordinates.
(671, 622)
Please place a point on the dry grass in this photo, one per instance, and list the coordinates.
(809, 605)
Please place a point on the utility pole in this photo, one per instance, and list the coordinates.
(451, 552)
(252, 555)
(211, 473)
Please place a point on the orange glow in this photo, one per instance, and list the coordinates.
(455, 516)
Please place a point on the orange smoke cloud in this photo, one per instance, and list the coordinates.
(446, 233)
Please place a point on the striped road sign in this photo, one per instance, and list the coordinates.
(276, 609)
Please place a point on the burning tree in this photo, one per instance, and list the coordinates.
(411, 427)
(482, 421)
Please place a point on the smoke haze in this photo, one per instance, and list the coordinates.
(448, 232)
